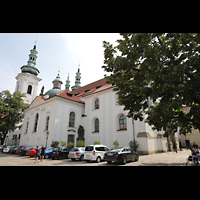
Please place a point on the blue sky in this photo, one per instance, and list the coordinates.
(55, 50)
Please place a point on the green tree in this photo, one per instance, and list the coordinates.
(14, 105)
(63, 143)
(80, 143)
(155, 74)
(115, 143)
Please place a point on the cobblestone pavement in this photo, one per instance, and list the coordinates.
(158, 159)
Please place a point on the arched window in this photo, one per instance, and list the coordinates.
(47, 123)
(122, 122)
(29, 89)
(71, 119)
(36, 122)
(96, 125)
(96, 104)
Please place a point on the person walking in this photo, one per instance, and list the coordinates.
(42, 153)
(37, 154)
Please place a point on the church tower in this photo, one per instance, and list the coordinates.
(67, 85)
(27, 80)
(77, 80)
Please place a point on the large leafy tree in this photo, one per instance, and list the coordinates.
(156, 74)
(11, 110)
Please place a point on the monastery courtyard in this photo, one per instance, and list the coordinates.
(158, 159)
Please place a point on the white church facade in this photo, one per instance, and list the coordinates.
(57, 115)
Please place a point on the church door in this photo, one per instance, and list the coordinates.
(70, 139)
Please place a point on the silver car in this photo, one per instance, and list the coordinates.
(77, 153)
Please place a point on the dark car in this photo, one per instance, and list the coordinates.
(60, 153)
(13, 149)
(24, 150)
(121, 154)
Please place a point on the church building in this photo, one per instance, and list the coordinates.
(90, 113)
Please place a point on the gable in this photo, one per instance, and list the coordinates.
(37, 101)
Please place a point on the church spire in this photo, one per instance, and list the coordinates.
(77, 79)
(67, 85)
(30, 67)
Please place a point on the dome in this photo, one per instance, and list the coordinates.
(30, 70)
(52, 92)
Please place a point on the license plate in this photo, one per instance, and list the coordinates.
(110, 154)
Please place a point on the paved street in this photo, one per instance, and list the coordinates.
(159, 159)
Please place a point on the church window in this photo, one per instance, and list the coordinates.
(29, 89)
(122, 123)
(71, 119)
(27, 123)
(47, 123)
(97, 104)
(36, 122)
(96, 125)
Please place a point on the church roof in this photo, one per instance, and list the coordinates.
(67, 95)
(92, 88)
(86, 90)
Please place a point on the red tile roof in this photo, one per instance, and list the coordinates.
(91, 88)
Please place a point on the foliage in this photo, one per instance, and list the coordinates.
(156, 74)
(14, 105)
(96, 142)
(63, 143)
(115, 143)
(133, 145)
(54, 143)
(80, 143)
(70, 144)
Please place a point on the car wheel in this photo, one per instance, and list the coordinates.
(124, 160)
(46, 156)
(98, 159)
(82, 158)
(137, 158)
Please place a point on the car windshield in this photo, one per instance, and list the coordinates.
(116, 149)
(56, 149)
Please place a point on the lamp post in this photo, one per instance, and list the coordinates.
(47, 137)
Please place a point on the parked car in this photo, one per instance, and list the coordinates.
(24, 151)
(13, 149)
(7, 149)
(48, 152)
(121, 154)
(60, 153)
(18, 149)
(95, 152)
(31, 152)
(77, 153)
(3, 147)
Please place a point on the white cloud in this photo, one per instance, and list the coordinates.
(87, 47)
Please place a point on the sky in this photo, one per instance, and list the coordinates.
(55, 50)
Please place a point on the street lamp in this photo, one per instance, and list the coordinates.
(47, 137)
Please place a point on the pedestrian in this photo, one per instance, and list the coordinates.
(42, 153)
(37, 154)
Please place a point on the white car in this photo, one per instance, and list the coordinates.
(7, 149)
(95, 152)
